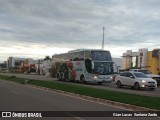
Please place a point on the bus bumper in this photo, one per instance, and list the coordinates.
(102, 79)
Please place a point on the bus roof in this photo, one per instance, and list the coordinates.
(78, 50)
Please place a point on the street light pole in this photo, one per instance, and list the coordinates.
(103, 39)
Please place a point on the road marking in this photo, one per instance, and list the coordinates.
(71, 115)
(14, 92)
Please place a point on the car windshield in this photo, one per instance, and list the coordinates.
(140, 75)
(145, 71)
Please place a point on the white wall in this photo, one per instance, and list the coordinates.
(16, 59)
(142, 57)
(12, 61)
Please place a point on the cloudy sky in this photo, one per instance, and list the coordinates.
(36, 28)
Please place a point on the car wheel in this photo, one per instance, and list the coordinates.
(119, 85)
(136, 86)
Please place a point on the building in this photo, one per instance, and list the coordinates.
(117, 64)
(20, 65)
(3, 65)
(13, 62)
(143, 59)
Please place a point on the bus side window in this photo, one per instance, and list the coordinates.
(88, 65)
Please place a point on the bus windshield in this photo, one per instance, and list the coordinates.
(103, 68)
(101, 56)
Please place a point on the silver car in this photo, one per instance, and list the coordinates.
(136, 80)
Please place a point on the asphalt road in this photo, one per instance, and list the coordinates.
(108, 86)
(18, 97)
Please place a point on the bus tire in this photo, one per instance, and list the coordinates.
(58, 77)
(82, 79)
(62, 76)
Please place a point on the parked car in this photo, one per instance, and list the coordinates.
(149, 74)
(136, 80)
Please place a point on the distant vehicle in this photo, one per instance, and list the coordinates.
(135, 80)
(149, 74)
(83, 65)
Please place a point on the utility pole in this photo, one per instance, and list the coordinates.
(103, 39)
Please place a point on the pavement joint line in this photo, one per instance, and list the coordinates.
(99, 100)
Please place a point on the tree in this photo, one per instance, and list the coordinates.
(47, 58)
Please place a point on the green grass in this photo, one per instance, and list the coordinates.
(13, 78)
(143, 101)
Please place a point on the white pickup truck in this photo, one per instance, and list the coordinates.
(149, 74)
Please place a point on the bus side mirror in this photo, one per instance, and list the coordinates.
(92, 65)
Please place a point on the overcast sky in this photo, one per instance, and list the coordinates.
(36, 28)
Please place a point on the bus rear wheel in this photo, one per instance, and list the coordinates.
(62, 76)
(58, 77)
(82, 79)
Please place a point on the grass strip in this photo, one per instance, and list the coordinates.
(13, 78)
(138, 100)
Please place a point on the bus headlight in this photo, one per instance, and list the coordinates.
(95, 77)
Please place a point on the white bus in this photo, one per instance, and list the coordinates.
(83, 65)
